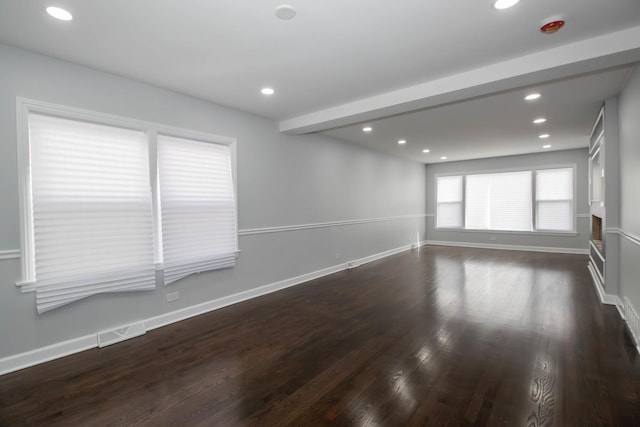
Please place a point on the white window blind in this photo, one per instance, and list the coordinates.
(91, 210)
(499, 201)
(198, 208)
(449, 201)
(478, 199)
(554, 199)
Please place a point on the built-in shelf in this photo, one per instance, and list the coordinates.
(599, 246)
(596, 260)
(597, 234)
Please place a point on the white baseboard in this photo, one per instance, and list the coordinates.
(45, 354)
(604, 297)
(195, 310)
(76, 345)
(626, 310)
(632, 321)
(510, 247)
(205, 307)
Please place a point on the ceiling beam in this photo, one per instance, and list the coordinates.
(585, 56)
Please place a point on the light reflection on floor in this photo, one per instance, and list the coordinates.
(507, 294)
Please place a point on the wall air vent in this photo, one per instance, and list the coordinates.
(122, 333)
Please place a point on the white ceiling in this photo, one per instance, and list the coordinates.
(495, 125)
(339, 62)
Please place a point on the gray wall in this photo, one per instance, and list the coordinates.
(282, 180)
(629, 139)
(545, 240)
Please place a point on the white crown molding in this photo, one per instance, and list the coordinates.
(284, 228)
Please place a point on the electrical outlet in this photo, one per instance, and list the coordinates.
(173, 296)
(338, 255)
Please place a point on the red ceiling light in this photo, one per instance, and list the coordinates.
(552, 26)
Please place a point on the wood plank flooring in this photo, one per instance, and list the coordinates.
(440, 336)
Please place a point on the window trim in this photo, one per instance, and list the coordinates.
(463, 202)
(169, 277)
(574, 214)
(533, 170)
(25, 106)
(530, 177)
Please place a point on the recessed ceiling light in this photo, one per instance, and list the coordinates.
(443, 158)
(367, 129)
(426, 150)
(285, 11)
(267, 91)
(532, 96)
(539, 121)
(544, 136)
(546, 146)
(402, 141)
(59, 13)
(504, 4)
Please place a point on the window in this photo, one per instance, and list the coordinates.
(91, 210)
(499, 201)
(554, 199)
(504, 201)
(449, 189)
(91, 221)
(198, 207)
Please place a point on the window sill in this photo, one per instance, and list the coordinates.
(524, 233)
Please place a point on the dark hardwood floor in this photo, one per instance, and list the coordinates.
(439, 336)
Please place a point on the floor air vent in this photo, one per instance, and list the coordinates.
(116, 335)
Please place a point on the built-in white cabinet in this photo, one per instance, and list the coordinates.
(597, 207)
(604, 202)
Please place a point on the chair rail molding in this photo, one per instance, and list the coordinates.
(10, 254)
(284, 228)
